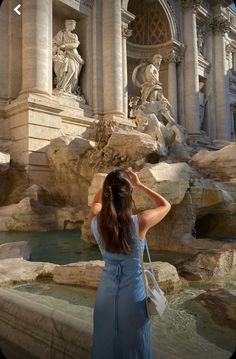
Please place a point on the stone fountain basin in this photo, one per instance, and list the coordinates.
(40, 330)
(37, 312)
(48, 320)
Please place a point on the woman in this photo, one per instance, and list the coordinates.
(122, 329)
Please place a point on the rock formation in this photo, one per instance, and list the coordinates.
(221, 305)
(88, 274)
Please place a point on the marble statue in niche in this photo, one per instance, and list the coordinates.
(67, 62)
(146, 77)
(203, 99)
(201, 40)
(151, 112)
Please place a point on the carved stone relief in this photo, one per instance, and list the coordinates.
(126, 32)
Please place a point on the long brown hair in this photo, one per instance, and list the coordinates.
(115, 216)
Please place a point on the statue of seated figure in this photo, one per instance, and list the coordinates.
(153, 115)
(146, 77)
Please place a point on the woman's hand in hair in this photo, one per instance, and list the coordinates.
(133, 177)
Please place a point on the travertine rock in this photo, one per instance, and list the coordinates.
(206, 193)
(4, 180)
(88, 274)
(214, 206)
(30, 215)
(174, 232)
(170, 180)
(15, 250)
(209, 264)
(221, 304)
(4, 162)
(96, 184)
(71, 171)
(27, 215)
(17, 270)
(220, 165)
(82, 273)
(166, 276)
(129, 145)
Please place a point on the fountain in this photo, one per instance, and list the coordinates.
(47, 303)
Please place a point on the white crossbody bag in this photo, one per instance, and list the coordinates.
(156, 301)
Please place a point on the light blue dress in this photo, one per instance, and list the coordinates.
(122, 329)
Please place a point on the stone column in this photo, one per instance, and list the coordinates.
(191, 81)
(112, 58)
(37, 46)
(171, 59)
(223, 124)
(180, 87)
(210, 88)
(126, 33)
(97, 60)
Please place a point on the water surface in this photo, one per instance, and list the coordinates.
(182, 333)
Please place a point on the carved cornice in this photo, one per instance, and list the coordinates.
(223, 3)
(127, 16)
(126, 32)
(203, 63)
(193, 4)
(220, 24)
(86, 3)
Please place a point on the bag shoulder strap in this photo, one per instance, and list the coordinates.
(140, 254)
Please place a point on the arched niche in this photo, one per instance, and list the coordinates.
(152, 17)
(154, 30)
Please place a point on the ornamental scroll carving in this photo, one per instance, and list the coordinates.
(174, 55)
(126, 32)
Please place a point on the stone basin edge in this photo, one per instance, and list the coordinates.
(42, 331)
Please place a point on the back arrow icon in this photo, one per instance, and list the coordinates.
(17, 9)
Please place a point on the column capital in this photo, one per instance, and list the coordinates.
(170, 56)
(125, 31)
(220, 25)
(192, 4)
(174, 55)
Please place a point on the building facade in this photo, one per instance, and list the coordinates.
(197, 41)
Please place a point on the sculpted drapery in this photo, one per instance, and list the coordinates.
(67, 62)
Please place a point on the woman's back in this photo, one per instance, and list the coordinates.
(122, 329)
(120, 309)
